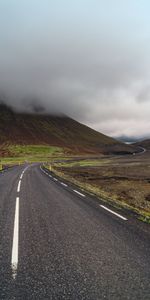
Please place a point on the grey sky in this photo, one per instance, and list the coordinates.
(85, 58)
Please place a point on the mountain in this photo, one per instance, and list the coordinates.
(35, 129)
(128, 139)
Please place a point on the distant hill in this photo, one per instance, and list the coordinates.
(128, 139)
(62, 131)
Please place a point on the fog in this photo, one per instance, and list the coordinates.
(86, 59)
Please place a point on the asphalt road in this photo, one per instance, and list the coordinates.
(58, 243)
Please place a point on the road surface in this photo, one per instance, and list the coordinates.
(143, 150)
(58, 243)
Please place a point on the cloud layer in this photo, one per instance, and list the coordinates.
(87, 59)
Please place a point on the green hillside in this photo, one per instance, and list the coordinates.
(58, 131)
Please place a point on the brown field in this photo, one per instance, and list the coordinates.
(125, 180)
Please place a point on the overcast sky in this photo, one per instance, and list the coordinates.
(89, 59)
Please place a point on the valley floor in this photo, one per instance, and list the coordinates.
(122, 180)
(125, 180)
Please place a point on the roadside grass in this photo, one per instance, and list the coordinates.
(121, 181)
(31, 153)
(84, 163)
(102, 194)
(145, 219)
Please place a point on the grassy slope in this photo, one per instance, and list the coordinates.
(64, 132)
(31, 153)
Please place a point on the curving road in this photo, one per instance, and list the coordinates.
(58, 243)
(143, 150)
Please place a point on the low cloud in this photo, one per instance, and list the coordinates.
(95, 74)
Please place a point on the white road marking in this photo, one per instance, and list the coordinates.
(23, 172)
(79, 193)
(56, 179)
(14, 257)
(111, 211)
(45, 172)
(64, 184)
(18, 188)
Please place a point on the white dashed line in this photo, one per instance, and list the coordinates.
(79, 193)
(14, 258)
(43, 171)
(21, 176)
(64, 184)
(111, 211)
(18, 188)
(55, 179)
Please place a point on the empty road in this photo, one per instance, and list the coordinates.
(56, 242)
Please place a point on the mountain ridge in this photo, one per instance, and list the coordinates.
(62, 131)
